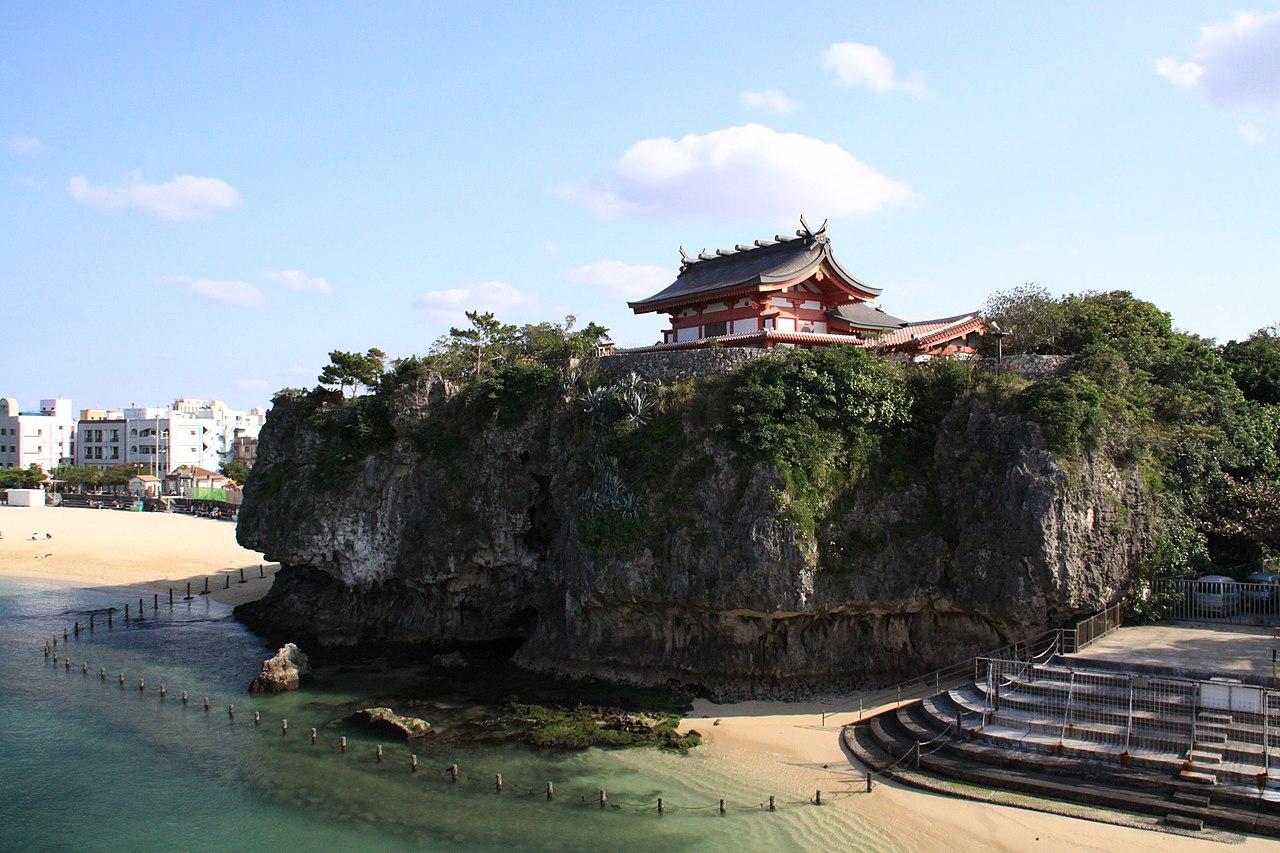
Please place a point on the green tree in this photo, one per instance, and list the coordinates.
(78, 476)
(1030, 317)
(236, 470)
(120, 475)
(1255, 365)
(23, 478)
(353, 371)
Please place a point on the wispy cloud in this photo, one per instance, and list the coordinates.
(23, 144)
(299, 280)
(768, 100)
(726, 173)
(628, 281)
(233, 292)
(450, 305)
(865, 66)
(1236, 60)
(184, 198)
(253, 384)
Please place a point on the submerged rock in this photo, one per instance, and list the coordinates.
(453, 660)
(386, 721)
(283, 672)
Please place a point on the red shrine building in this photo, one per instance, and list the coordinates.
(791, 291)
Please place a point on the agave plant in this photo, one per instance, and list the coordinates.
(637, 405)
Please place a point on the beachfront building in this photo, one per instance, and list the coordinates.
(44, 437)
(228, 425)
(100, 442)
(791, 291)
(192, 481)
(144, 486)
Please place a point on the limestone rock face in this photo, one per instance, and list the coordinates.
(386, 721)
(283, 672)
(992, 541)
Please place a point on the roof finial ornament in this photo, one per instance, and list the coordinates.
(703, 256)
(806, 231)
(685, 260)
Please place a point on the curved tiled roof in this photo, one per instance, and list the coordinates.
(763, 262)
(920, 332)
(863, 316)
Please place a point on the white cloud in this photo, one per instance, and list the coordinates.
(23, 144)
(768, 100)
(253, 384)
(750, 171)
(182, 199)
(864, 66)
(499, 297)
(299, 280)
(1251, 133)
(241, 294)
(1235, 60)
(628, 281)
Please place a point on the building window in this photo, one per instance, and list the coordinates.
(712, 330)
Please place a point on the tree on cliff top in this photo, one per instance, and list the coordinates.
(487, 344)
(351, 370)
(1255, 364)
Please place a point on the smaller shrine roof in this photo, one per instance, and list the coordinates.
(863, 316)
(925, 329)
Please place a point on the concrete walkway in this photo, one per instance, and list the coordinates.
(1191, 648)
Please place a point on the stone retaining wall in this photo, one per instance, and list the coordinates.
(676, 365)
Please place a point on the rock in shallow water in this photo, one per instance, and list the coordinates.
(386, 721)
(283, 672)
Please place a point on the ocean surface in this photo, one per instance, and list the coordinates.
(86, 764)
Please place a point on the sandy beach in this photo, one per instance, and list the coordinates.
(151, 551)
(785, 743)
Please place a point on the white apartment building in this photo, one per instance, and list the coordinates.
(228, 424)
(45, 438)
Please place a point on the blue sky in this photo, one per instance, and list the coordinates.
(203, 202)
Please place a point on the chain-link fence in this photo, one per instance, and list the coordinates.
(1217, 600)
(1221, 722)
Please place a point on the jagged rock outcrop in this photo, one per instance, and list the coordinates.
(283, 672)
(994, 542)
(388, 722)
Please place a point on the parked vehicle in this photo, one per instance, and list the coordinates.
(1216, 594)
(1263, 596)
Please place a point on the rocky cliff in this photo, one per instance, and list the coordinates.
(483, 537)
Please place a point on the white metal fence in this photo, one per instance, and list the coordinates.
(1122, 712)
(1182, 599)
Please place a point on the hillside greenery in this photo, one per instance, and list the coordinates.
(1201, 422)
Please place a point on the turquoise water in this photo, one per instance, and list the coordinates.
(88, 764)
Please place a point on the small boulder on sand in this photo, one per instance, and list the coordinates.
(283, 672)
(386, 721)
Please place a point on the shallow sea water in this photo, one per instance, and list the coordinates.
(88, 764)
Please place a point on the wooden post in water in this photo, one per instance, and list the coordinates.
(77, 629)
(722, 807)
(342, 745)
(46, 651)
(102, 674)
(91, 615)
(65, 636)
(604, 798)
(155, 602)
(163, 692)
(659, 805)
(771, 806)
(140, 614)
(188, 596)
(868, 781)
(453, 773)
(170, 597)
(551, 791)
(67, 660)
(110, 615)
(497, 783)
(126, 613)
(257, 717)
(817, 799)
(413, 764)
(207, 706)
(226, 578)
(84, 668)
(378, 753)
(242, 580)
(142, 685)
(284, 727)
(261, 573)
(205, 591)
(313, 736)
(122, 679)
(184, 697)
(231, 711)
